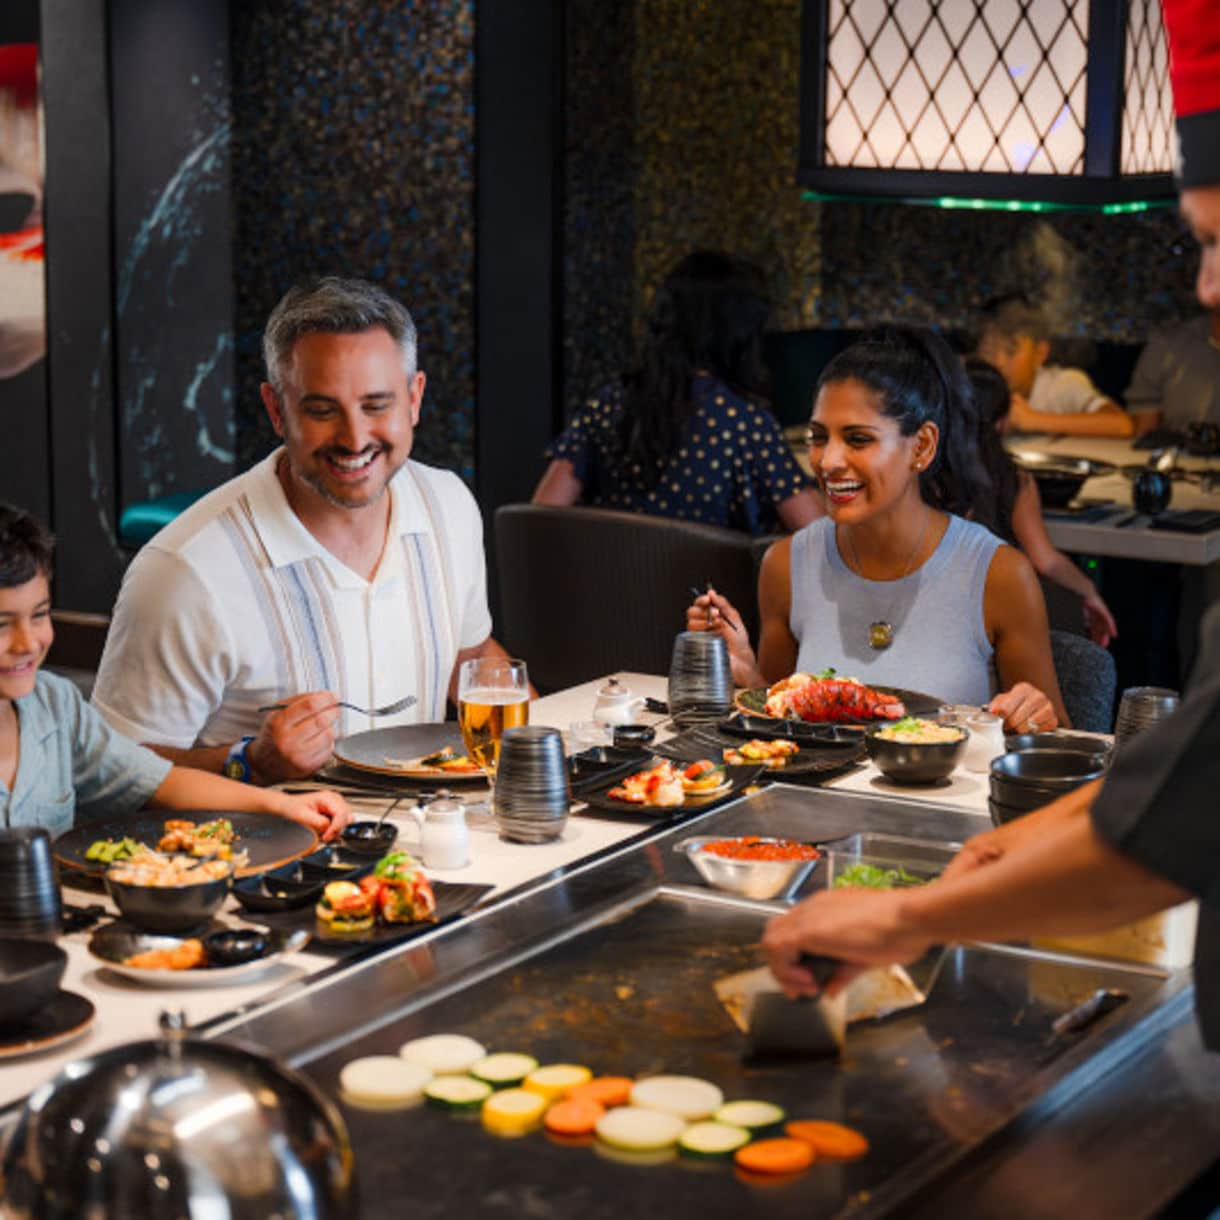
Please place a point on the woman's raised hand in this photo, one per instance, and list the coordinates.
(712, 612)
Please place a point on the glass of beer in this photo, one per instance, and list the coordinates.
(493, 695)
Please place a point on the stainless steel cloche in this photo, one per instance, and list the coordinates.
(179, 1127)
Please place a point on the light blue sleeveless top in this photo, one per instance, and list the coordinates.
(940, 644)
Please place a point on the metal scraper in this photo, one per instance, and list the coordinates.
(804, 1028)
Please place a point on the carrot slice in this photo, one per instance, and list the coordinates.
(829, 1141)
(573, 1117)
(775, 1156)
(605, 1090)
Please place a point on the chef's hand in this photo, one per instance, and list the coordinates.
(325, 812)
(1025, 710)
(295, 741)
(712, 612)
(860, 927)
(982, 850)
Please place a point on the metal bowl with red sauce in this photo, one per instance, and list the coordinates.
(753, 866)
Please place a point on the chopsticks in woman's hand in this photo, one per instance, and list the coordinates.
(697, 594)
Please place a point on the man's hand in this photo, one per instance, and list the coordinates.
(1025, 710)
(295, 741)
(322, 811)
(860, 927)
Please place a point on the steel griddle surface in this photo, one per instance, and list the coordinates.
(632, 994)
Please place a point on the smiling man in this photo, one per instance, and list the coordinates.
(337, 568)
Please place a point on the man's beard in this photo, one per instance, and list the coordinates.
(317, 483)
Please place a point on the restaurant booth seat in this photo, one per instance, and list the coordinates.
(76, 650)
(1088, 681)
(587, 591)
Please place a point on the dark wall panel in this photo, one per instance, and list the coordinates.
(173, 245)
(23, 395)
(79, 296)
(353, 148)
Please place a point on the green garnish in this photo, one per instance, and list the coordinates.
(822, 674)
(109, 851)
(389, 865)
(872, 877)
(908, 724)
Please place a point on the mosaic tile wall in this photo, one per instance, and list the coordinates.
(599, 188)
(352, 153)
(708, 136)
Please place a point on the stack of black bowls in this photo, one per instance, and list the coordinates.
(29, 889)
(1025, 780)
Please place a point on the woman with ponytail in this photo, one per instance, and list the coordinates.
(894, 586)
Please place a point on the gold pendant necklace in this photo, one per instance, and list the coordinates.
(881, 631)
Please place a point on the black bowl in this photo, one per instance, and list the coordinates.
(235, 946)
(279, 889)
(1058, 488)
(1080, 743)
(1001, 814)
(1026, 798)
(633, 734)
(907, 762)
(369, 838)
(1058, 770)
(168, 908)
(30, 973)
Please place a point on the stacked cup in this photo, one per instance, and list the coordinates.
(531, 795)
(29, 889)
(700, 679)
(1141, 707)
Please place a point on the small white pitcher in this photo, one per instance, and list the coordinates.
(615, 704)
(444, 837)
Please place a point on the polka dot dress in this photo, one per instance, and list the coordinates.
(731, 469)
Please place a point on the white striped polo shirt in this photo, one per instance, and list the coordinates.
(235, 605)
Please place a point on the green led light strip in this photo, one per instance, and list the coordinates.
(997, 205)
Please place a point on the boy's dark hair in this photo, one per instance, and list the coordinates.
(1011, 316)
(26, 547)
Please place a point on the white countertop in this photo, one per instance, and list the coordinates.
(128, 1011)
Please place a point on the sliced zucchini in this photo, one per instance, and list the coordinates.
(686, 1096)
(712, 1140)
(513, 1112)
(444, 1054)
(555, 1079)
(754, 1116)
(383, 1082)
(457, 1092)
(635, 1129)
(504, 1069)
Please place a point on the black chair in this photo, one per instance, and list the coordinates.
(587, 591)
(1088, 680)
(76, 650)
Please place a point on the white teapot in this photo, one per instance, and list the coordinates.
(444, 837)
(616, 705)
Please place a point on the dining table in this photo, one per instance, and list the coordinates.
(1102, 520)
(1110, 1124)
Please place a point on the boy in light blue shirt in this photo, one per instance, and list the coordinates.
(59, 761)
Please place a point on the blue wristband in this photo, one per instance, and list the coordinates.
(237, 765)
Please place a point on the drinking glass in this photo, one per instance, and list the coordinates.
(493, 695)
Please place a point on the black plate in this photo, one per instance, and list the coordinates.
(597, 800)
(812, 758)
(594, 767)
(295, 885)
(824, 736)
(753, 702)
(64, 1017)
(366, 753)
(268, 840)
(452, 899)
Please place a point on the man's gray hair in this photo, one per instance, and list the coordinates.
(336, 306)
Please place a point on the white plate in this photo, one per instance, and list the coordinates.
(209, 976)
